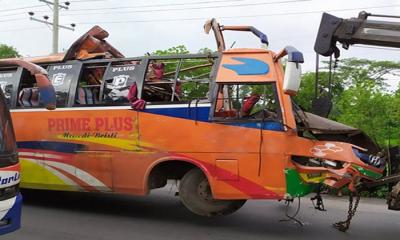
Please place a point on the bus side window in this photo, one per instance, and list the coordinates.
(157, 84)
(117, 81)
(88, 90)
(8, 78)
(177, 80)
(194, 79)
(64, 77)
(250, 101)
(28, 93)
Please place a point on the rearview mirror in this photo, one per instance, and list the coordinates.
(291, 81)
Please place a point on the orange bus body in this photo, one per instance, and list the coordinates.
(115, 148)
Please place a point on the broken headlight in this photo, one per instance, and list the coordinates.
(373, 160)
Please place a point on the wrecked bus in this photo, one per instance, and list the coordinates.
(10, 196)
(222, 123)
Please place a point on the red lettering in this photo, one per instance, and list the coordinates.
(75, 124)
(51, 124)
(128, 124)
(99, 122)
(60, 125)
(118, 124)
(108, 126)
(85, 124)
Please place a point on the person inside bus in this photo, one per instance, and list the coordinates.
(155, 72)
(155, 89)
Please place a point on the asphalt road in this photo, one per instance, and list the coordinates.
(83, 216)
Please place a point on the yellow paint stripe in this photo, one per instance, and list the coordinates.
(35, 175)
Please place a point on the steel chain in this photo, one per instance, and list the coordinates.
(344, 225)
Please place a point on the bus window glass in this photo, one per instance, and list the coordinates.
(194, 79)
(249, 101)
(159, 80)
(62, 76)
(177, 80)
(117, 81)
(8, 78)
(88, 90)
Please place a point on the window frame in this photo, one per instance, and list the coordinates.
(244, 119)
(15, 85)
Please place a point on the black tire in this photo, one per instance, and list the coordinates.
(195, 194)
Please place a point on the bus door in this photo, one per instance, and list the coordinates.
(246, 97)
(116, 84)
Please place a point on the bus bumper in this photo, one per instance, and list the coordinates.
(10, 213)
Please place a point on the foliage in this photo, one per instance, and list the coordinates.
(360, 94)
(8, 51)
(191, 89)
(361, 97)
(180, 49)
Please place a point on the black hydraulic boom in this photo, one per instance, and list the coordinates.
(360, 30)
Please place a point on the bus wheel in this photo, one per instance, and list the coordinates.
(195, 194)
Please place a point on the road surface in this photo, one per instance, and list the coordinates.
(85, 216)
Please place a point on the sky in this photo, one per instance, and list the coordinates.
(141, 26)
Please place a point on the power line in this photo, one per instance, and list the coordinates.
(21, 29)
(152, 5)
(180, 9)
(44, 11)
(12, 19)
(13, 14)
(20, 8)
(55, 7)
(240, 16)
(158, 5)
(84, 1)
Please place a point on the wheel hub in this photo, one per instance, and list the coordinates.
(204, 191)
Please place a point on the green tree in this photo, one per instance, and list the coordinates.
(361, 98)
(190, 76)
(8, 51)
(180, 49)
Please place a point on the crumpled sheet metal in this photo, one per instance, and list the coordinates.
(326, 129)
(31, 67)
(92, 42)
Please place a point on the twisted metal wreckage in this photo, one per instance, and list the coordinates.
(283, 152)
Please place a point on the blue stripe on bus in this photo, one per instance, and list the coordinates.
(202, 114)
(267, 125)
(64, 147)
(192, 113)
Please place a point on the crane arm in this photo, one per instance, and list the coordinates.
(358, 30)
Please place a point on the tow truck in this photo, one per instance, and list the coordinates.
(334, 31)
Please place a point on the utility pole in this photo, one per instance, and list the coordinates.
(55, 6)
(55, 26)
